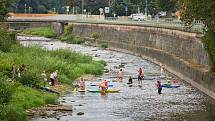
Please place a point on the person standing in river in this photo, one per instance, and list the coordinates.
(140, 75)
(82, 84)
(129, 80)
(120, 75)
(159, 87)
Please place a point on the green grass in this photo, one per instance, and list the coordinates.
(70, 65)
(24, 98)
(71, 38)
(42, 31)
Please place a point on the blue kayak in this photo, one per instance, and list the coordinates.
(170, 85)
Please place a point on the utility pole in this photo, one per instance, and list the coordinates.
(25, 8)
(82, 7)
(146, 9)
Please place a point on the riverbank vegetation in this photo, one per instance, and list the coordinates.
(69, 37)
(192, 10)
(41, 31)
(18, 93)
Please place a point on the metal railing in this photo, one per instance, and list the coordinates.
(168, 23)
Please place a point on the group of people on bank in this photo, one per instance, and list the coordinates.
(53, 78)
(22, 68)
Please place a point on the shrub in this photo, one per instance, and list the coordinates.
(7, 39)
(71, 39)
(69, 29)
(209, 43)
(104, 45)
(95, 35)
(5, 92)
(30, 78)
(12, 113)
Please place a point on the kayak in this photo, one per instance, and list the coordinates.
(49, 90)
(107, 91)
(110, 85)
(170, 85)
(82, 90)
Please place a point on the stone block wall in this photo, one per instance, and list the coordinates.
(182, 52)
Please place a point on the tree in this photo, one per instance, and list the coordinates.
(167, 5)
(4, 5)
(203, 10)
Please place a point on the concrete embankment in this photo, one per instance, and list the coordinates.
(183, 53)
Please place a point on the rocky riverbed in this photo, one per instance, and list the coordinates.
(136, 103)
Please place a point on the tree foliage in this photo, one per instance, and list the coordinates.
(203, 10)
(4, 5)
(92, 6)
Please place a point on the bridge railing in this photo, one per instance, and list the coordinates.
(160, 23)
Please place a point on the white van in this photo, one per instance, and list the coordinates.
(138, 17)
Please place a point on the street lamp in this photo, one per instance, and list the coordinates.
(25, 8)
(146, 9)
(29, 9)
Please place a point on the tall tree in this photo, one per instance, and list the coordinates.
(167, 5)
(203, 10)
(4, 5)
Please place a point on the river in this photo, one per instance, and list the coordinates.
(135, 103)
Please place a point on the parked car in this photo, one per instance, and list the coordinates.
(138, 17)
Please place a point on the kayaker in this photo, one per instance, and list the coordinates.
(120, 75)
(104, 86)
(159, 87)
(140, 75)
(129, 80)
(82, 84)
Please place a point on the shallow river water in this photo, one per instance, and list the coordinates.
(135, 103)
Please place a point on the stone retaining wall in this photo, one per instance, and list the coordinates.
(182, 52)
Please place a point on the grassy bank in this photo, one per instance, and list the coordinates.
(41, 31)
(24, 98)
(67, 37)
(21, 94)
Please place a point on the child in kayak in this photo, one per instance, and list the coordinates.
(82, 84)
(159, 87)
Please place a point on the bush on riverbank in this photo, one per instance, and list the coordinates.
(7, 39)
(69, 37)
(41, 31)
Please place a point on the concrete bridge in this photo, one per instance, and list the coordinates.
(57, 22)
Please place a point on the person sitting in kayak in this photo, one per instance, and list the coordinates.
(120, 75)
(159, 87)
(129, 80)
(82, 84)
(140, 75)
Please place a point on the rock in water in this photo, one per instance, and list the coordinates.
(80, 113)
